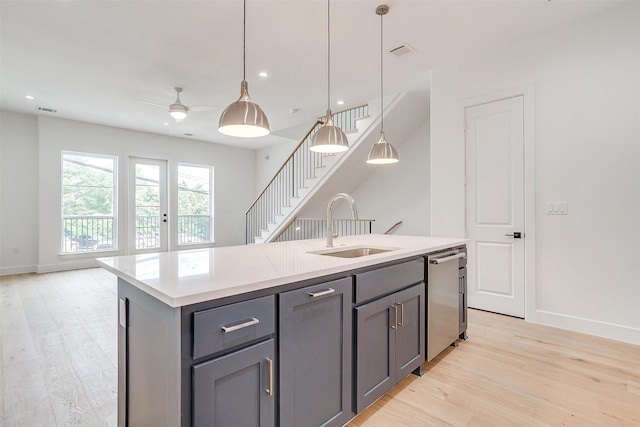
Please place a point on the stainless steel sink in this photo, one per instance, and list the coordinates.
(352, 252)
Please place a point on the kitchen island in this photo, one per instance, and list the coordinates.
(288, 333)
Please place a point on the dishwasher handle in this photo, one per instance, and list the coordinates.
(447, 258)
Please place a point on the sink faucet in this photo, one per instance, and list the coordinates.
(332, 201)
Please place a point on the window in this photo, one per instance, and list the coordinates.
(88, 202)
(195, 224)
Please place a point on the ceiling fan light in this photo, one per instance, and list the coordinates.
(329, 138)
(244, 118)
(382, 153)
(178, 111)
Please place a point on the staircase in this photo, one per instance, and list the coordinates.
(300, 173)
(307, 180)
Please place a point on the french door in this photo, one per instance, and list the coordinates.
(495, 209)
(148, 209)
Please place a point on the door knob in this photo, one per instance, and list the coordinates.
(515, 235)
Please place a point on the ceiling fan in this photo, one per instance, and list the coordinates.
(177, 110)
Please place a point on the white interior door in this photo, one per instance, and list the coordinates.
(148, 215)
(494, 140)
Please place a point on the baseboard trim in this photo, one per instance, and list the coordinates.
(587, 326)
(76, 265)
(20, 269)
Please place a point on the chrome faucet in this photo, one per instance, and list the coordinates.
(332, 201)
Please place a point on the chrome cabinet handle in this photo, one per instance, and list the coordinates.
(251, 322)
(395, 317)
(401, 314)
(270, 389)
(447, 258)
(321, 293)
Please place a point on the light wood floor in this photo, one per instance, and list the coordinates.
(58, 348)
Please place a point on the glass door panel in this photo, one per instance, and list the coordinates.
(149, 216)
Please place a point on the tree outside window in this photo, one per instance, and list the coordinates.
(88, 202)
(194, 204)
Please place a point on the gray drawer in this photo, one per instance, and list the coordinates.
(225, 327)
(375, 283)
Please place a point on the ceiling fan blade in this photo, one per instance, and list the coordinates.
(202, 108)
(150, 103)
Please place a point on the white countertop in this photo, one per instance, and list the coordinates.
(188, 277)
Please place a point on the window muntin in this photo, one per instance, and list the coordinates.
(195, 219)
(88, 202)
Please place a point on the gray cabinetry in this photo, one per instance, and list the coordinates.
(236, 386)
(236, 389)
(315, 355)
(390, 342)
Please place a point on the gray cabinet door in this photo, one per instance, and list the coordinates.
(390, 342)
(236, 389)
(315, 355)
(375, 350)
(410, 333)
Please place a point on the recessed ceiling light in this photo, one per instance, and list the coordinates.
(166, 124)
(341, 102)
(263, 74)
(29, 97)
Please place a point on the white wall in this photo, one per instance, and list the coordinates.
(30, 209)
(18, 193)
(269, 160)
(586, 81)
(400, 191)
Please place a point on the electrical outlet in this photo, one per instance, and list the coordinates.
(557, 208)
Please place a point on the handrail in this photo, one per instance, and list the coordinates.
(275, 175)
(292, 177)
(393, 227)
(344, 111)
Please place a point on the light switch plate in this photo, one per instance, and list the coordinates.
(557, 208)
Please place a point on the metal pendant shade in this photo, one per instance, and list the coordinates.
(382, 152)
(244, 118)
(329, 138)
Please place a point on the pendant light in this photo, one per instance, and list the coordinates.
(329, 138)
(382, 152)
(244, 118)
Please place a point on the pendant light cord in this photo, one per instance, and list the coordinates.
(381, 82)
(328, 55)
(244, 40)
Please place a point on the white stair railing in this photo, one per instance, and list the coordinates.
(293, 175)
(316, 228)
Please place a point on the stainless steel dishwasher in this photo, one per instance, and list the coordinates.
(443, 300)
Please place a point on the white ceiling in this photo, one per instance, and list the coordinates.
(90, 60)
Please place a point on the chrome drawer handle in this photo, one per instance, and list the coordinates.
(321, 293)
(246, 324)
(448, 258)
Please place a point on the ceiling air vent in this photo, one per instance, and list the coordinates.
(403, 49)
(47, 110)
